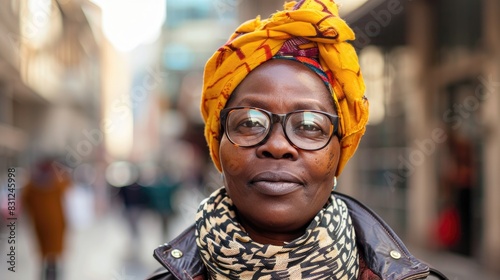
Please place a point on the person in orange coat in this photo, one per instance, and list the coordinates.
(43, 201)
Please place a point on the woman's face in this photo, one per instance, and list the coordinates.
(277, 188)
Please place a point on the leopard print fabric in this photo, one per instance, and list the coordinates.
(326, 251)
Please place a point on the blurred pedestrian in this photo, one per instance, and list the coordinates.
(459, 181)
(160, 198)
(43, 200)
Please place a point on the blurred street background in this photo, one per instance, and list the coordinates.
(102, 155)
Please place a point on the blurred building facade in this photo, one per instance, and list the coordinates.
(50, 79)
(439, 62)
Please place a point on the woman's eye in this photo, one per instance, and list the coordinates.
(308, 127)
(251, 123)
(309, 131)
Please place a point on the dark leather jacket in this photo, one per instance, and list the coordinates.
(382, 254)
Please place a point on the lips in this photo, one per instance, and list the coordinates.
(275, 183)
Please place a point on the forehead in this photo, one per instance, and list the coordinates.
(286, 85)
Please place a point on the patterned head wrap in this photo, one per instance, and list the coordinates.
(257, 41)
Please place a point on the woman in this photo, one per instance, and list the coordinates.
(284, 110)
(43, 199)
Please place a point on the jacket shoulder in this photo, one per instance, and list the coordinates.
(179, 258)
(384, 252)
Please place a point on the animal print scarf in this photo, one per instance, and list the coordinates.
(326, 251)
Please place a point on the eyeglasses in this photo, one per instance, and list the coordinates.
(304, 129)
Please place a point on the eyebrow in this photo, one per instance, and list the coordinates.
(296, 106)
(253, 103)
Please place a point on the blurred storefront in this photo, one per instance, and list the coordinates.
(430, 157)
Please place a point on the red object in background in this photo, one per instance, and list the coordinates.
(448, 227)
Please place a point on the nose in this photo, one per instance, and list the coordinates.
(277, 145)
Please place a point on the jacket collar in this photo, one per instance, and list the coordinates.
(383, 251)
(181, 257)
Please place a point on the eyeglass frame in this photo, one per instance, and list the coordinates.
(276, 118)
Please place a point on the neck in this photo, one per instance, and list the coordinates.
(272, 237)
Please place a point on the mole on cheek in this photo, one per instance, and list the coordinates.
(332, 160)
(233, 167)
(330, 164)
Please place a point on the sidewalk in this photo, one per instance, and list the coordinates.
(104, 251)
(455, 267)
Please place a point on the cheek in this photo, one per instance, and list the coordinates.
(232, 160)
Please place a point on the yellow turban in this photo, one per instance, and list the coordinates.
(256, 41)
